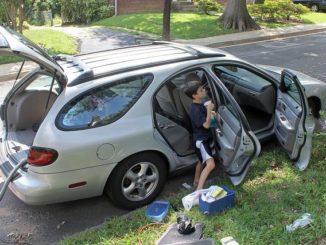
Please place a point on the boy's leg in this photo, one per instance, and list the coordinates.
(199, 168)
(210, 165)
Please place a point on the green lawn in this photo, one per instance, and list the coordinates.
(183, 25)
(54, 42)
(314, 18)
(6, 59)
(273, 195)
(188, 25)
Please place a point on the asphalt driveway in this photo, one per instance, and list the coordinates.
(92, 39)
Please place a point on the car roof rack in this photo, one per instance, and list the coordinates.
(109, 62)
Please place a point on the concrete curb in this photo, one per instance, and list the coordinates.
(266, 38)
(256, 36)
(10, 71)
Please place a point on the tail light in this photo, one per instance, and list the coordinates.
(39, 156)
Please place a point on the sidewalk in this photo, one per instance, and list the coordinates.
(255, 36)
(9, 71)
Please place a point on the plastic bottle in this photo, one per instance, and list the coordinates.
(305, 220)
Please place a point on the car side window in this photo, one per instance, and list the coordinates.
(104, 104)
(292, 89)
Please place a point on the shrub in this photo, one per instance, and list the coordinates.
(36, 14)
(39, 18)
(209, 5)
(41, 5)
(55, 6)
(277, 10)
(84, 11)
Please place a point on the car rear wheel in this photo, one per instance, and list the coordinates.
(314, 8)
(137, 180)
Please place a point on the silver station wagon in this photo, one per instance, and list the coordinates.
(117, 121)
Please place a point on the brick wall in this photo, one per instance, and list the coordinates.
(136, 6)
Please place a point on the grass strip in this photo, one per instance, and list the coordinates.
(273, 195)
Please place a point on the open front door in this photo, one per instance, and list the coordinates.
(236, 144)
(293, 125)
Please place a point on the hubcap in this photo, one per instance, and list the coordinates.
(140, 181)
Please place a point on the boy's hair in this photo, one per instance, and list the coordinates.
(191, 88)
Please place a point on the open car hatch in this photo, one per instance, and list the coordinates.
(13, 43)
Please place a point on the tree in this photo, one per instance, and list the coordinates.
(15, 10)
(236, 16)
(166, 20)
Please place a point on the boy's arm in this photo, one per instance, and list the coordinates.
(209, 107)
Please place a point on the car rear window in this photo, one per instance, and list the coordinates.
(102, 105)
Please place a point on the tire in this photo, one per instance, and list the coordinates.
(314, 8)
(143, 187)
(314, 107)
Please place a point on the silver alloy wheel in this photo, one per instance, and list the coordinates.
(314, 8)
(140, 181)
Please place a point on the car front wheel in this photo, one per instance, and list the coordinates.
(137, 180)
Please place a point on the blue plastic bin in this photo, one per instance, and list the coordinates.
(218, 205)
(157, 210)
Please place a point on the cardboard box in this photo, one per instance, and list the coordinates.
(218, 205)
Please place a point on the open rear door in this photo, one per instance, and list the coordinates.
(236, 144)
(293, 125)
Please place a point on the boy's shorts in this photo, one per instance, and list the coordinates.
(203, 150)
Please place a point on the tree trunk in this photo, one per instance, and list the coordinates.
(236, 16)
(166, 20)
(11, 13)
(21, 16)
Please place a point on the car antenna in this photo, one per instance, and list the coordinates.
(20, 70)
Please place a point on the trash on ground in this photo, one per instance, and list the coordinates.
(157, 210)
(18, 238)
(187, 186)
(303, 221)
(224, 199)
(185, 225)
(172, 235)
(61, 224)
(193, 198)
(228, 241)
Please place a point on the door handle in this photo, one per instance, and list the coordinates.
(286, 124)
